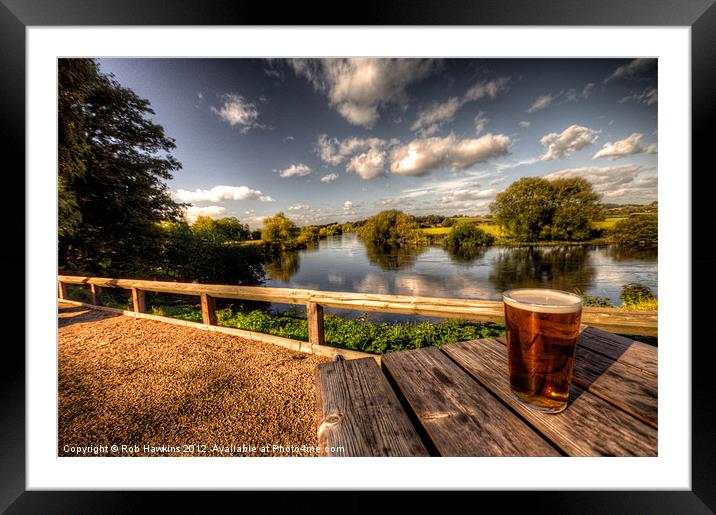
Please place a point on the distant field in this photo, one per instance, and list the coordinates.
(488, 228)
(608, 222)
(436, 230)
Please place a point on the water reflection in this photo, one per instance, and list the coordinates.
(563, 268)
(283, 266)
(621, 253)
(393, 258)
(343, 263)
(466, 256)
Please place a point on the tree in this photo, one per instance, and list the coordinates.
(640, 231)
(113, 161)
(576, 205)
(467, 236)
(392, 227)
(223, 230)
(526, 208)
(279, 231)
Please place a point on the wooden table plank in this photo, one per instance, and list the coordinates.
(459, 416)
(619, 348)
(619, 370)
(358, 410)
(588, 427)
(632, 389)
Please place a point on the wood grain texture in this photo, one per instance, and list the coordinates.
(61, 290)
(139, 300)
(314, 314)
(358, 411)
(460, 417)
(208, 309)
(627, 321)
(624, 350)
(96, 292)
(589, 426)
(630, 388)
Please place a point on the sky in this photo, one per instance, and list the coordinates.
(334, 140)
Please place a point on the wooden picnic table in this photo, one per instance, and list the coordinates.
(456, 401)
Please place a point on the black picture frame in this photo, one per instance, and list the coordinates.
(700, 15)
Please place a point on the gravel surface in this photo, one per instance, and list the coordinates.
(159, 389)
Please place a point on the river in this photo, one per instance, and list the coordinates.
(344, 263)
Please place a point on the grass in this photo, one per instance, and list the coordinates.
(647, 304)
(360, 335)
(436, 230)
(607, 223)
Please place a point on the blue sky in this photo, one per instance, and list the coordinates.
(341, 139)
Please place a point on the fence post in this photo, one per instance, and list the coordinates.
(139, 300)
(208, 309)
(96, 294)
(61, 290)
(314, 313)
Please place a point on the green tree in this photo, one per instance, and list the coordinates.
(309, 234)
(279, 231)
(392, 227)
(641, 231)
(223, 230)
(525, 209)
(576, 206)
(467, 237)
(113, 162)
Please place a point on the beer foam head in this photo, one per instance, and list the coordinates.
(543, 300)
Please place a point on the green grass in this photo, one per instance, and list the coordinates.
(436, 230)
(607, 223)
(360, 335)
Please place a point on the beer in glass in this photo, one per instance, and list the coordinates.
(542, 327)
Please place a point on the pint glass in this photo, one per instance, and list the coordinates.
(542, 327)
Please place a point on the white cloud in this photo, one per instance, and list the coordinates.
(541, 102)
(219, 193)
(480, 123)
(573, 138)
(329, 178)
(191, 213)
(651, 149)
(237, 111)
(298, 207)
(299, 170)
(625, 147)
(524, 124)
(431, 119)
(422, 156)
(358, 87)
(334, 151)
(499, 180)
(368, 165)
(288, 138)
(649, 96)
(365, 156)
(634, 69)
(623, 183)
(467, 195)
(348, 205)
(562, 97)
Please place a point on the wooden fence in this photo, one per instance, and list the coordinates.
(609, 319)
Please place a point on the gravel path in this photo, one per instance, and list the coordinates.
(165, 388)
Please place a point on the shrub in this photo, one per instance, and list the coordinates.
(390, 228)
(637, 231)
(637, 296)
(467, 236)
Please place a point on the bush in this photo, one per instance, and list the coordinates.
(466, 236)
(637, 231)
(637, 296)
(390, 228)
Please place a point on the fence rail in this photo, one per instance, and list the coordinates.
(615, 320)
